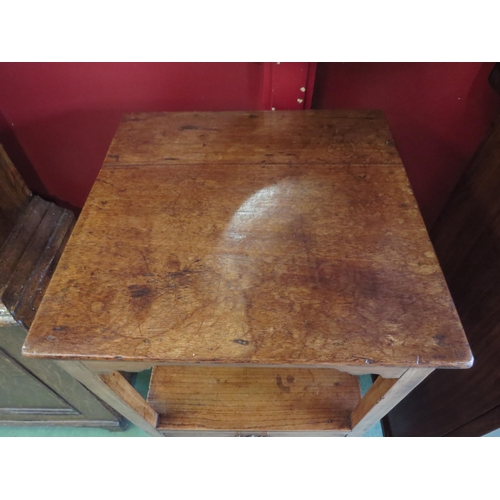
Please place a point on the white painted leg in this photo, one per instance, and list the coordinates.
(115, 390)
(382, 397)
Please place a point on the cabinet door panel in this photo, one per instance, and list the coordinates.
(44, 391)
(21, 393)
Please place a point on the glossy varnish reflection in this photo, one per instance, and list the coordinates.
(263, 242)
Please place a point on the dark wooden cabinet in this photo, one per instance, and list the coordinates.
(466, 239)
(33, 233)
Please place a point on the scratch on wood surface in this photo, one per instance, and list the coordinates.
(194, 127)
(172, 208)
(147, 265)
(326, 261)
(199, 328)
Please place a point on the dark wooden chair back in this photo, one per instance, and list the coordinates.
(33, 233)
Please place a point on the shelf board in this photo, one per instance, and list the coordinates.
(219, 401)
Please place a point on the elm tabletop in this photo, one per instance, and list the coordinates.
(250, 240)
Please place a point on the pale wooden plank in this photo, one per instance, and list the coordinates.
(373, 396)
(382, 396)
(136, 366)
(6, 318)
(99, 367)
(115, 390)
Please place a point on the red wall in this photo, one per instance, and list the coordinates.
(64, 115)
(438, 114)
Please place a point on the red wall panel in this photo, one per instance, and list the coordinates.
(64, 115)
(438, 114)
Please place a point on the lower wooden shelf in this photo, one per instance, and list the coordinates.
(228, 401)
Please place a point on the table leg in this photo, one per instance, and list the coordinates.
(116, 391)
(382, 397)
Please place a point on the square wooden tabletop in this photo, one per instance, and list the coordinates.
(256, 238)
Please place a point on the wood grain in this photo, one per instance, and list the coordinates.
(382, 397)
(27, 263)
(137, 366)
(289, 266)
(122, 388)
(372, 398)
(259, 137)
(302, 263)
(252, 400)
(19, 238)
(35, 286)
(14, 195)
(30, 255)
(116, 391)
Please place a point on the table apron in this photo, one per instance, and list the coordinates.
(138, 366)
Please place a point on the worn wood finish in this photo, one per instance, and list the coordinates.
(34, 288)
(19, 238)
(28, 262)
(14, 195)
(382, 397)
(29, 256)
(324, 137)
(212, 400)
(250, 240)
(116, 391)
(325, 265)
(6, 318)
